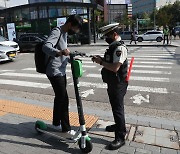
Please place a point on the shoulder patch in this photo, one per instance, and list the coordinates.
(118, 53)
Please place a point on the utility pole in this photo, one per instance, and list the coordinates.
(5, 3)
(154, 14)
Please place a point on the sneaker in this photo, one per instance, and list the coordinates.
(71, 132)
(57, 127)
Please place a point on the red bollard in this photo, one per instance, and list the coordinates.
(130, 68)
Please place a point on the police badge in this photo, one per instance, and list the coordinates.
(118, 53)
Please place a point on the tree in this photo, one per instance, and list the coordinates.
(168, 15)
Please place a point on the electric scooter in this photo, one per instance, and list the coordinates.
(84, 141)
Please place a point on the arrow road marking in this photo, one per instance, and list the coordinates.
(139, 99)
(87, 93)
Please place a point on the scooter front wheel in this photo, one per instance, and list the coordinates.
(88, 148)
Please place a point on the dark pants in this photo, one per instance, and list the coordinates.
(61, 102)
(133, 39)
(166, 38)
(116, 97)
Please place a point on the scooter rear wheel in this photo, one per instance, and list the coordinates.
(88, 148)
(40, 125)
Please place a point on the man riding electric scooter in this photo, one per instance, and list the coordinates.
(57, 53)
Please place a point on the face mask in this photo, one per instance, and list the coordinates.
(71, 32)
(109, 40)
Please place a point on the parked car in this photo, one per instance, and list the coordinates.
(27, 42)
(177, 30)
(5, 42)
(150, 36)
(7, 53)
(126, 35)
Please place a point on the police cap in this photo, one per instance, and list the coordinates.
(108, 28)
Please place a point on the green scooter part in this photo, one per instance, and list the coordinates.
(77, 64)
(41, 125)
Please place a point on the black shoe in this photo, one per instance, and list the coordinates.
(111, 128)
(116, 144)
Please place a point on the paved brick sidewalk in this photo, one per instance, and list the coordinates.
(145, 135)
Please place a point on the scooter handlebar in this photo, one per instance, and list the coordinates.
(77, 53)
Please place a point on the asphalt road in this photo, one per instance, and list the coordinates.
(154, 82)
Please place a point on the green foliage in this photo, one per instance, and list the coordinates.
(168, 15)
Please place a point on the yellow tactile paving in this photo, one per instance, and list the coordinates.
(2, 113)
(7, 106)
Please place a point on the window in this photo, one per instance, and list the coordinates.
(25, 14)
(42, 12)
(33, 13)
(53, 12)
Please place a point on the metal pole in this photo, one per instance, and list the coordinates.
(154, 14)
(89, 26)
(137, 24)
(94, 27)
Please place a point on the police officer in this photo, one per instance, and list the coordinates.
(114, 73)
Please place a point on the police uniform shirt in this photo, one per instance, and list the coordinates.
(120, 54)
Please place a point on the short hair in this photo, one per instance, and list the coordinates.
(75, 20)
(117, 30)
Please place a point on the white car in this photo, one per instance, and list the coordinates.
(150, 36)
(4, 41)
(7, 53)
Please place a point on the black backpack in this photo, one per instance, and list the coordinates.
(39, 57)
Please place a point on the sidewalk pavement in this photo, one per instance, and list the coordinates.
(145, 135)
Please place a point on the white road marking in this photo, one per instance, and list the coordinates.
(130, 88)
(24, 75)
(154, 56)
(29, 69)
(139, 99)
(42, 76)
(7, 71)
(137, 78)
(153, 59)
(24, 83)
(150, 72)
(85, 66)
(87, 93)
(150, 62)
(150, 66)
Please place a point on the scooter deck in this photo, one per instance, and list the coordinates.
(60, 135)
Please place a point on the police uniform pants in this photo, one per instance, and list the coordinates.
(61, 102)
(116, 93)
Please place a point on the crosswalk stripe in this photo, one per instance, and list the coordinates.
(149, 62)
(42, 76)
(150, 66)
(150, 72)
(85, 66)
(153, 59)
(130, 88)
(29, 69)
(137, 78)
(7, 70)
(24, 75)
(24, 83)
(154, 56)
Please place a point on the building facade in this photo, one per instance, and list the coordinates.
(118, 9)
(41, 16)
(148, 6)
